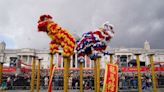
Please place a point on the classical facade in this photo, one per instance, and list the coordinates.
(124, 57)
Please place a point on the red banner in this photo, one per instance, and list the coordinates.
(142, 69)
(9, 69)
(159, 68)
(111, 78)
(13, 69)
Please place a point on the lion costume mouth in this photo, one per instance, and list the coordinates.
(42, 27)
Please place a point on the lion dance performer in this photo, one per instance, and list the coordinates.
(59, 37)
(92, 44)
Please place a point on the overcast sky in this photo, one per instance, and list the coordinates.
(134, 21)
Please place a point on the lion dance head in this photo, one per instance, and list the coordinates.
(43, 22)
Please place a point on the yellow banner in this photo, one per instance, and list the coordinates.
(111, 78)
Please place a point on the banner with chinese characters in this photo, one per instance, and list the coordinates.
(111, 78)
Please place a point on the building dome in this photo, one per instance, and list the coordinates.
(2, 46)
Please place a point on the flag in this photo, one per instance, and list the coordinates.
(111, 78)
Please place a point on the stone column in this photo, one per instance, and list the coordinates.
(21, 57)
(57, 56)
(90, 65)
(71, 62)
(61, 62)
(85, 61)
(28, 60)
(0, 58)
(75, 60)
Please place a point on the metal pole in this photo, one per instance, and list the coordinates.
(33, 75)
(81, 77)
(153, 73)
(95, 76)
(51, 62)
(98, 73)
(1, 72)
(38, 76)
(111, 58)
(66, 68)
(139, 73)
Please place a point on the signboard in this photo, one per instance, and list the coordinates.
(111, 78)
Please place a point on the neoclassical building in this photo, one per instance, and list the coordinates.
(124, 57)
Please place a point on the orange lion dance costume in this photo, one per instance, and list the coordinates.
(58, 35)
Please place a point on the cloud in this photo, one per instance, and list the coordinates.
(135, 20)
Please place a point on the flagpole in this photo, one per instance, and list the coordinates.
(139, 72)
(153, 73)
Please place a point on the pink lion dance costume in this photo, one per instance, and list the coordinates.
(95, 42)
(58, 35)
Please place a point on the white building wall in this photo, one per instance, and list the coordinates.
(46, 57)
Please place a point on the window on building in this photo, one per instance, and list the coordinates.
(123, 61)
(123, 58)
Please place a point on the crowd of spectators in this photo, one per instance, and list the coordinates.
(125, 80)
